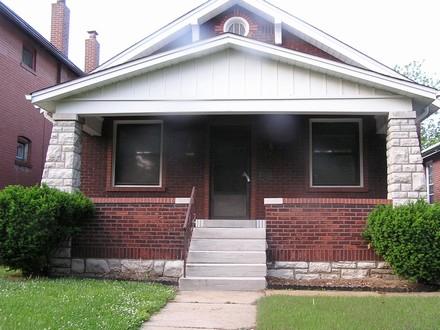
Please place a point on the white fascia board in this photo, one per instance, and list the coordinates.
(292, 23)
(222, 42)
(356, 106)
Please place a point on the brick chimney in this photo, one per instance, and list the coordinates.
(92, 52)
(59, 35)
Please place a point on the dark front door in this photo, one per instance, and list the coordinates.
(230, 175)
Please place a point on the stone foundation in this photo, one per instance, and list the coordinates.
(345, 270)
(126, 269)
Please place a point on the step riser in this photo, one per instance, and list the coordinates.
(227, 257)
(226, 271)
(188, 284)
(230, 233)
(227, 245)
(230, 223)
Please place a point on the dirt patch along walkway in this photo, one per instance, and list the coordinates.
(208, 310)
(336, 293)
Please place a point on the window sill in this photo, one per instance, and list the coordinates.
(28, 69)
(337, 189)
(136, 189)
(22, 163)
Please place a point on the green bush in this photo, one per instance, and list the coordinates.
(33, 223)
(408, 238)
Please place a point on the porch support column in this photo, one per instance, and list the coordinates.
(62, 169)
(406, 176)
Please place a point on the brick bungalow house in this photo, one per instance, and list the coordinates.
(288, 136)
(431, 159)
(28, 62)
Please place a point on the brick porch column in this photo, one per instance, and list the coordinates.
(406, 176)
(62, 169)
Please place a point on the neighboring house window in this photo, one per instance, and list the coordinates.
(22, 155)
(430, 182)
(28, 57)
(336, 153)
(138, 153)
(237, 25)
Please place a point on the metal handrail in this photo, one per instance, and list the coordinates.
(188, 227)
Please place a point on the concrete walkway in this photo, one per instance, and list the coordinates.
(207, 310)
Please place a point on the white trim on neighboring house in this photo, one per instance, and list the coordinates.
(361, 150)
(47, 98)
(136, 122)
(279, 17)
(429, 193)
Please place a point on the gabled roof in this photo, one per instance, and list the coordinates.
(31, 32)
(47, 98)
(211, 8)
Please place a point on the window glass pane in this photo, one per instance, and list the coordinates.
(335, 154)
(138, 158)
(21, 147)
(28, 57)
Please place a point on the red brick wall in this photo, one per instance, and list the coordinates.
(17, 116)
(279, 161)
(259, 29)
(316, 229)
(132, 229)
(435, 175)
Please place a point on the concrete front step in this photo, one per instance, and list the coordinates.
(230, 223)
(225, 257)
(226, 270)
(230, 233)
(227, 245)
(222, 283)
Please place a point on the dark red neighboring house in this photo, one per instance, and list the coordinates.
(27, 62)
(431, 159)
(288, 136)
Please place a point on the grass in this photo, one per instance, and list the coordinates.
(77, 304)
(284, 312)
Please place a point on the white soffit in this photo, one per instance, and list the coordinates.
(263, 8)
(47, 98)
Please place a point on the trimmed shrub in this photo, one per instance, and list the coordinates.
(408, 238)
(33, 223)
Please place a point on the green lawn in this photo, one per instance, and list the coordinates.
(77, 304)
(283, 312)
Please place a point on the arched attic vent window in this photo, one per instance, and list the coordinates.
(237, 25)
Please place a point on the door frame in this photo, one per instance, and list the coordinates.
(248, 126)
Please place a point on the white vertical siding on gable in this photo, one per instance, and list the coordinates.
(230, 74)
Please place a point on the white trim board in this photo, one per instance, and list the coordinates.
(210, 9)
(47, 98)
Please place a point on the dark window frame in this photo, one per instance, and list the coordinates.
(361, 152)
(114, 152)
(32, 51)
(26, 161)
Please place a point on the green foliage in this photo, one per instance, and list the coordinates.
(430, 128)
(408, 238)
(33, 223)
(77, 304)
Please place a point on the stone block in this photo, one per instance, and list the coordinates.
(60, 262)
(320, 267)
(290, 265)
(344, 264)
(281, 273)
(173, 268)
(415, 159)
(158, 268)
(418, 181)
(366, 264)
(307, 277)
(78, 266)
(350, 274)
(54, 153)
(114, 265)
(410, 142)
(399, 178)
(398, 155)
(331, 276)
(383, 265)
(97, 266)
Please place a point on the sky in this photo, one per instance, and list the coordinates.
(391, 31)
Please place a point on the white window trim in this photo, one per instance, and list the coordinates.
(234, 20)
(361, 149)
(428, 191)
(138, 122)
